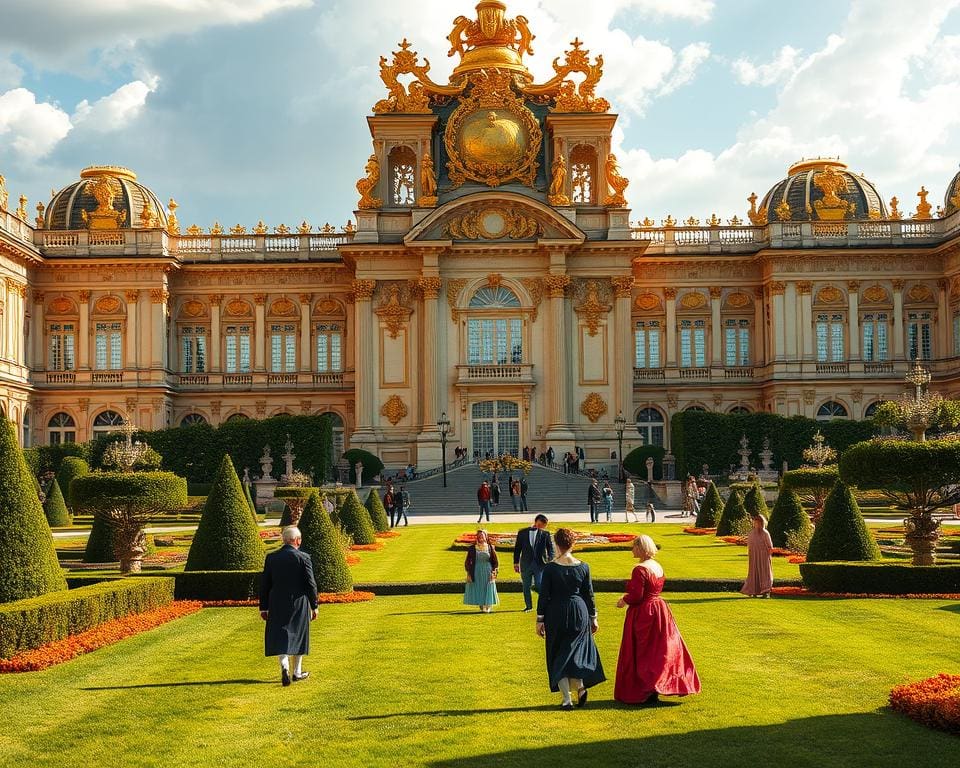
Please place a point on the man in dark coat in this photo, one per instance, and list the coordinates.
(593, 501)
(288, 603)
(533, 550)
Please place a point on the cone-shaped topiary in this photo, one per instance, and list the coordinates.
(787, 517)
(28, 560)
(378, 514)
(249, 498)
(734, 521)
(320, 542)
(100, 547)
(70, 468)
(754, 502)
(55, 508)
(842, 533)
(711, 508)
(355, 520)
(227, 538)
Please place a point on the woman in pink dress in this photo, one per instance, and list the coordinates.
(653, 657)
(760, 566)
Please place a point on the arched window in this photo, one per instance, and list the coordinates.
(494, 340)
(107, 421)
(831, 410)
(583, 170)
(490, 297)
(871, 410)
(695, 408)
(738, 410)
(237, 417)
(650, 426)
(192, 418)
(402, 162)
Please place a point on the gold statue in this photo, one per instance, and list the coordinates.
(923, 207)
(40, 209)
(21, 212)
(558, 183)
(757, 217)
(368, 184)
(148, 219)
(4, 195)
(783, 211)
(173, 224)
(428, 183)
(895, 214)
(491, 28)
(616, 182)
(831, 207)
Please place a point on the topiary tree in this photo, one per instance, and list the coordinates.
(372, 466)
(711, 508)
(100, 547)
(295, 497)
(842, 533)
(754, 502)
(125, 501)
(28, 560)
(378, 514)
(813, 484)
(635, 462)
(55, 508)
(355, 520)
(321, 543)
(227, 538)
(71, 468)
(735, 521)
(250, 503)
(788, 517)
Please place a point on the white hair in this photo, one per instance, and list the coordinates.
(291, 534)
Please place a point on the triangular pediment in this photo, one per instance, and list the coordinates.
(491, 217)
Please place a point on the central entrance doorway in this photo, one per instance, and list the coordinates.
(496, 428)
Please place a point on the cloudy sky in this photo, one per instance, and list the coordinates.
(249, 109)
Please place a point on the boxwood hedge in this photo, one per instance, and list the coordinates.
(881, 578)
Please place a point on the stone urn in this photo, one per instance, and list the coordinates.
(922, 534)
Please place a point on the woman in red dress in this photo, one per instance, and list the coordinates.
(653, 658)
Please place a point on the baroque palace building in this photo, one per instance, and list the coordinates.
(492, 273)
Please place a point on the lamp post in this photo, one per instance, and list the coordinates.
(443, 424)
(620, 424)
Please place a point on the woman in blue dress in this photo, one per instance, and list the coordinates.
(567, 618)
(481, 566)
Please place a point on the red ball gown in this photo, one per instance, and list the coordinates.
(653, 657)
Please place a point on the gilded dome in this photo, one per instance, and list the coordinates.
(105, 197)
(951, 200)
(822, 190)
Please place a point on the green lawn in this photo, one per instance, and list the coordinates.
(420, 681)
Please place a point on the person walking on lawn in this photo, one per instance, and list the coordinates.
(532, 551)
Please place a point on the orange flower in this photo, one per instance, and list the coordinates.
(376, 546)
(388, 534)
(325, 598)
(353, 559)
(700, 531)
(934, 702)
(802, 592)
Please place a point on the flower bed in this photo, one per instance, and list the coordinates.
(934, 702)
(584, 540)
(803, 592)
(387, 534)
(353, 559)
(701, 531)
(324, 598)
(741, 541)
(375, 547)
(102, 635)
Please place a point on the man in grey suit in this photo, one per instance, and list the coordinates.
(288, 603)
(533, 550)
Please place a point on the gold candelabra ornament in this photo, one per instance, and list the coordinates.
(124, 456)
(819, 453)
(923, 410)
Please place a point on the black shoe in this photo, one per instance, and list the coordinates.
(301, 676)
(581, 697)
(652, 700)
(284, 678)
(567, 707)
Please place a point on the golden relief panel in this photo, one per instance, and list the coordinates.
(492, 223)
(60, 306)
(394, 409)
(738, 300)
(193, 309)
(692, 300)
(238, 308)
(647, 302)
(919, 294)
(876, 294)
(283, 307)
(327, 307)
(593, 407)
(829, 295)
(107, 305)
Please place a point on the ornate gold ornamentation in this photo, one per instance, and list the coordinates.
(412, 100)
(173, 224)
(259, 299)
(738, 300)
(363, 289)
(193, 308)
(669, 222)
(429, 286)
(132, 296)
(454, 286)
(691, 221)
(672, 400)
(5, 195)
(428, 185)
(692, 300)
(215, 299)
(238, 308)
(305, 298)
(238, 229)
(534, 286)
(648, 222)
(494, 279)
(898, 284)
(736, 221)
(282, 229)
(394, 409)
(492, 137)
(492, 223)
(104, 188)
(714, 221)
(328, 229)
(392, 312)
(349, 227)
(783, 211)
(304, 228)
(592, 310)
(368, 184)
(21, 212)
(955, 197)
(567, 95)
(39, 297)
(804, 287)
(647, 302)
(84, 297)
(853, 285)
(60, 306)
(193, 230)
(777, 288)
(715, 292)
(558, 182)
(895, 214)
(829, 295)
(327, 307)
(757, 217)
(919, 293)
(216, 229)
(148, 216)
(831, 207)
(593, 407)
(283, 307)
(809, 396)
(556, 285)
(159, 295)
(616, 182)
(875, 294)
(492, 40)
(39, 220)
(622, 286)
(670, 293)
(923, 207)
(260, 228)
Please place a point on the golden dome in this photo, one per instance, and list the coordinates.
(494, 137)
(77, 206)
(822, 188)
(490, 41)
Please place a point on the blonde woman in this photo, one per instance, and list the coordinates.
(760, 560)
(653, 657)
(482, 566)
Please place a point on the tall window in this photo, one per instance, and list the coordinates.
(919, 335)
(693, 343)
(108, 421)
(61, 429)
(403, 174)
(875, 346)
(107, 344)
(583, 163)
(283, 348)
(237, 349)
(830, 338)
(736, 343)
(956, 333)
(193, 348)
(650, 426)
(62, 344)
(647, 340)
(329, 344)
(494, 341)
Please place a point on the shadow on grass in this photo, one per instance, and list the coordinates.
(185, 683)
(608, 704)
(876, 739)
(955, 608)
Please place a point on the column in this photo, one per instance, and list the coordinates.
(306, 359)
(790, 312)
(83, 332)
(5, 331)
(144, 327)
(132, 332)
(21, 302)
(623, 350)
(670, 294)
(759, 328)
(558, 382)
(158, 326)
(853, 318)
(898, 341)
(215, 344)
(36, 331)
(944, 321)
(779, 326)
(716, 329)
(430, 353)
(366, 370)
(259, 332)
(805, 291)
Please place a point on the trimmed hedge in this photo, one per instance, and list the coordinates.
(99, 547)
(54, 507)
(811, 478)
(711, 508)
(734, 521)
(881, 578)
(71, 468)
(28, 624)
(378, 513)
(49, 458)
(372, 466)
(755, 504)
(635, 462)
(212, 585)
(145, 492)
(788, 516)
(842, 533)
(319, 540)
(355, 520)
(302, 492)
(227, 537)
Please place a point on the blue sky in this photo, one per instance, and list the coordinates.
(249, 109)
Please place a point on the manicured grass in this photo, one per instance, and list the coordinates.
(422, 681)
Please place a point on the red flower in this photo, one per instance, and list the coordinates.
(934, 702)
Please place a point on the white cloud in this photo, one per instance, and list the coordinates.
(687, 64)
(31, 129)
(690, 10)
(116, 110)
(10, 74)
(774, 71)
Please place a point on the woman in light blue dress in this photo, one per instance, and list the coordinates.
(481, 566)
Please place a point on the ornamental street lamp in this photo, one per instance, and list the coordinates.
(443, 424)
(620, 424)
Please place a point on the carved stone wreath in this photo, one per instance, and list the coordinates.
(394, 409)
(593, 407)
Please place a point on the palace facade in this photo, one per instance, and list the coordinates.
(492, 273)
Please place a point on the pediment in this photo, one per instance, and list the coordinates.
(494, 217)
